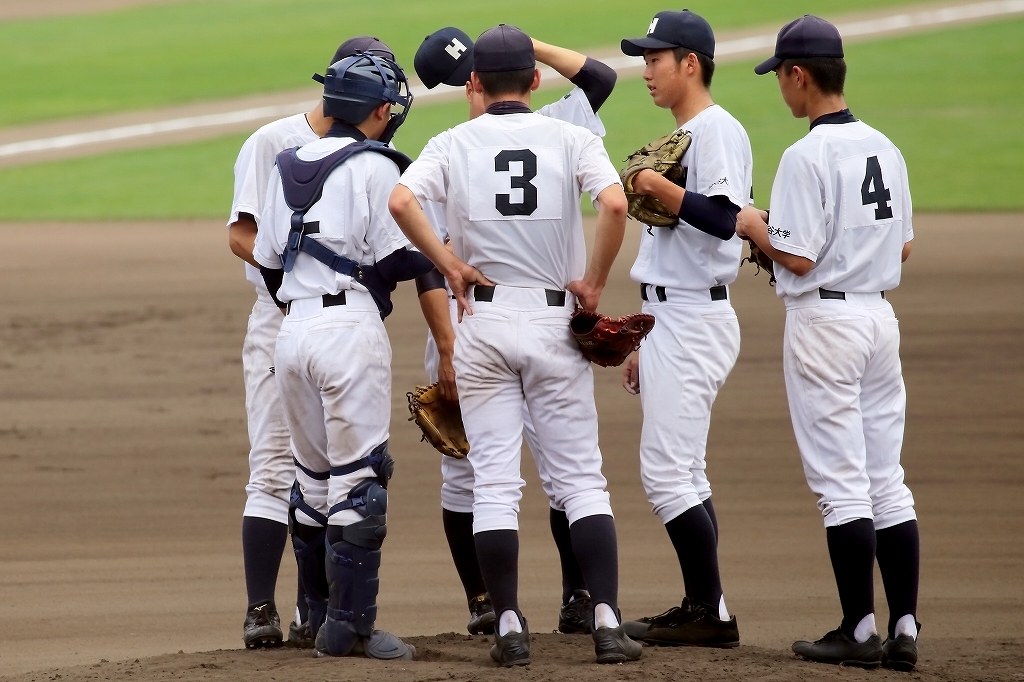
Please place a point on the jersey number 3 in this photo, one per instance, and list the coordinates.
(873, 191)
(503, 202)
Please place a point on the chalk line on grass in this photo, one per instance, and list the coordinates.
(726, 50)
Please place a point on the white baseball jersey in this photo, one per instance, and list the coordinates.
(253, 168)
(718, 163)
(573, 108)
(841, 198)
(354, 222)
(528, 172)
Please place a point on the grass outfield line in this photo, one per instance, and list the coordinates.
(956, 119)
(184, 52)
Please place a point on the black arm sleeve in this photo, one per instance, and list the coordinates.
(714, 215)
(273, 278)
(402, 265)
(596, 80)
(428, 282)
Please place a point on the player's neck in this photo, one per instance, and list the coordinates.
(488, 100)
(819, 105)
(319, 123)
(691, 105)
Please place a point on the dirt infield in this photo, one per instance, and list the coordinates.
(123, 455)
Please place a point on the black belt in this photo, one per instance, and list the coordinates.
(836, 295)
(330, 300)
(485, 294)
(719, 293)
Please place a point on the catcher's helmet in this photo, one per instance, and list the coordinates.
(356, 85)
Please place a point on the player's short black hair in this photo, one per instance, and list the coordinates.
(828, 73)
(516, 82)
(707, 64)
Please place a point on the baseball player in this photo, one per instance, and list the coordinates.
(684, 272)
(840, 227)
(271, 467)
(511, 182)
(331, 253)
(446, 56)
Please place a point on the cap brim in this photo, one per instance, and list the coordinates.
(635, 47)
(768, 65)
(460, 76)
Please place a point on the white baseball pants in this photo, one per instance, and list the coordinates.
(684, 362)
(848, 403)
(516, 354)
(457, 474)
(334, 372)
(271, 471)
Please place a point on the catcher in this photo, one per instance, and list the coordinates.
(688, 189)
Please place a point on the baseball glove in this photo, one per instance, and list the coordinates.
(761, 260)
(608, 341)
(440, 420)
(663, 156)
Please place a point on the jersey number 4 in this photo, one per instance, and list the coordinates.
(873, 191)
(503, 202)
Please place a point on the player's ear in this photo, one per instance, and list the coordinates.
(383, 112)
(536, 80)
(469, 92)
(474, 81)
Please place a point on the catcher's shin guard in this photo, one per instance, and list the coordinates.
(353, 565)
(310, 545)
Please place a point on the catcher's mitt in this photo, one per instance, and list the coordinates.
(608, 341)
(761, 260)
(664, 157)
(440, 420)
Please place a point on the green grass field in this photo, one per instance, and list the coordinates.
(956, 118)
(183, 52)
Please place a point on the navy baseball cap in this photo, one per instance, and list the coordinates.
(445, 56)
(808, 36)
(367, 44)
(669, 30)
(503, 48)
(354, 46)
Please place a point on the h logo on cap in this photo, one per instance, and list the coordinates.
(455, 49)
(654, 24)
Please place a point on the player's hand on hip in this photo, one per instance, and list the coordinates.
(631, 374)
(587, 295)
(459, 280)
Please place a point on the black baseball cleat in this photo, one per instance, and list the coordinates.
(299, 636)
(262, 627)
(689, 624)
(481, 615)
(512, 649)
(838, 649)
(612, 645)
(900, 653)
(577, 617)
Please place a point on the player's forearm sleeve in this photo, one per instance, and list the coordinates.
(273, 278)
(596, 80)
(402, 265)
(428, 282)
(714, 215)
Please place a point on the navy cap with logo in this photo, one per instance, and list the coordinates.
(503, 48)
(445, 56)
(669, 30)
(808, 36)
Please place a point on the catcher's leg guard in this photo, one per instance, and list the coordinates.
(310, 545)
(353, 564)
